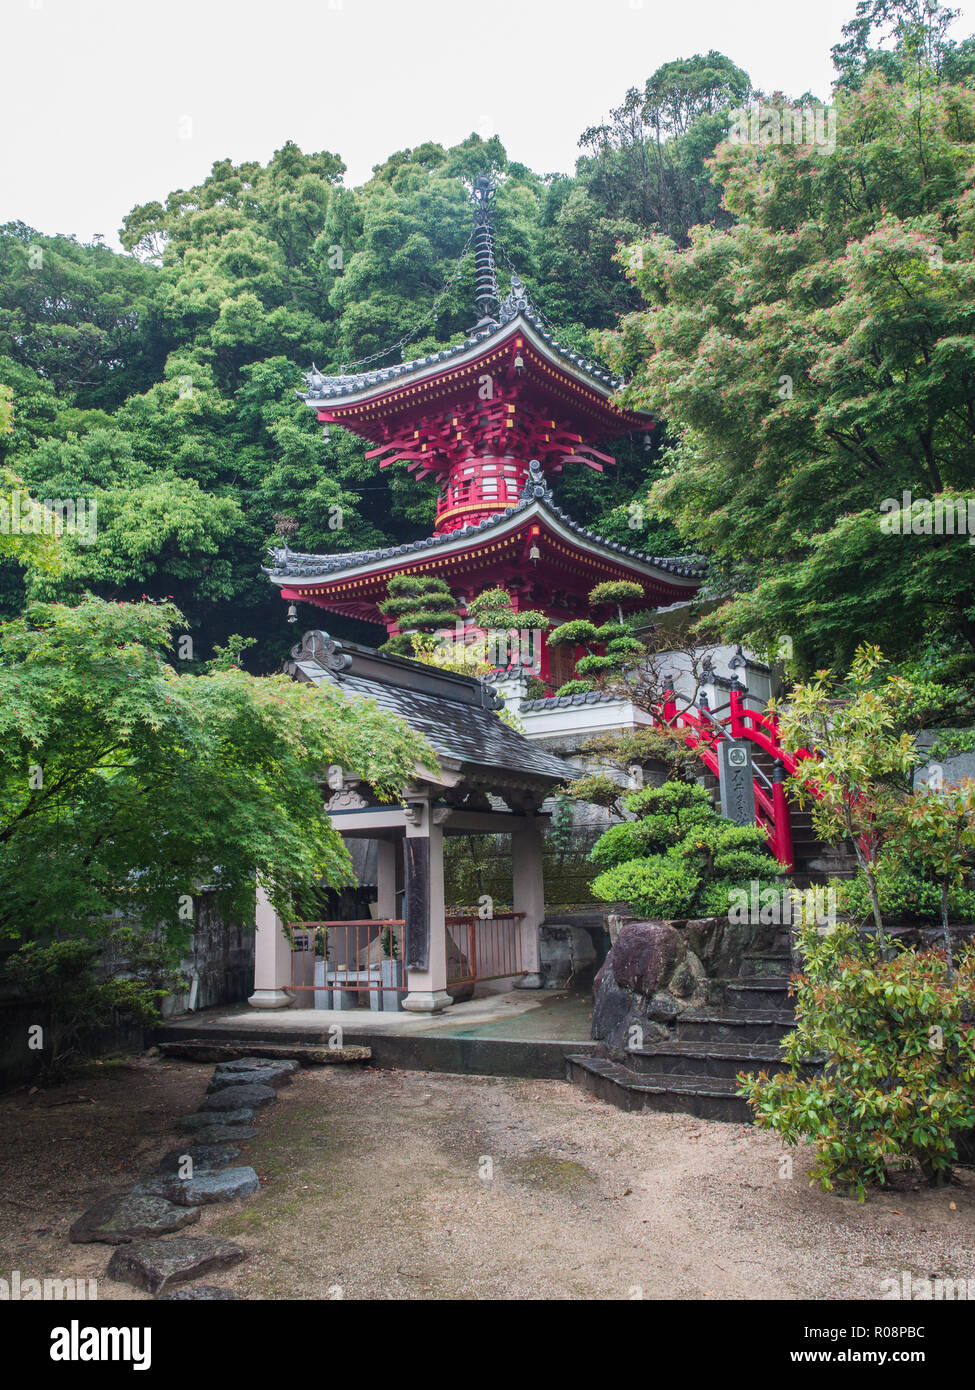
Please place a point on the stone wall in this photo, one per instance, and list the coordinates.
(220, 966)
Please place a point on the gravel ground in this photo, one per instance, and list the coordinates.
(418, 1185)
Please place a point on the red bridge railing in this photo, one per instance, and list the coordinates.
(705, 729)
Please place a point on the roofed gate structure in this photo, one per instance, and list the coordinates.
(491, 781)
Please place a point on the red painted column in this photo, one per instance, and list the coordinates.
(783, 849)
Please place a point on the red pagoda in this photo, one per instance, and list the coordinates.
(493, 419)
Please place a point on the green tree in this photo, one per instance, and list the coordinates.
(418, 604)
(938, 829)
(124, 786)
(814, 363)
(856, 783)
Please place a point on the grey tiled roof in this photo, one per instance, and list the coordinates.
(591, 697)
(467, 732)
(326, 388)
(296, 564)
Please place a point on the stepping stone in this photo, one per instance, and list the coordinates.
(226, 1185)
(154, 1265)
(221, 1133)
(236, 1096)
(196, 1292)
(118, 1220)
(243, 1116)
(204, 1157)
(267, 1076)
(256, 1064)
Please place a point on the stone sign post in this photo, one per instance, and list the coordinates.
(736, 781)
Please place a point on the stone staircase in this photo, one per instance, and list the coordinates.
(695, 1072)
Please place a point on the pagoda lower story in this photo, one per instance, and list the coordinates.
(533, 549)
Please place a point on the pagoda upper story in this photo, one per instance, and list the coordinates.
(474, 415)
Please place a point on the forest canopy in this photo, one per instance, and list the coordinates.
(160, 380)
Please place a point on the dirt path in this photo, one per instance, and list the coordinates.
(412, 1185)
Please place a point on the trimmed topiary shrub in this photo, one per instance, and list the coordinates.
(680, 858)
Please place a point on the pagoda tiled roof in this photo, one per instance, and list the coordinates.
(291, 564)
(516, 305)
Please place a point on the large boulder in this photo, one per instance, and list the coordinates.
(645, 955)
(566, 954)
(622, 1018)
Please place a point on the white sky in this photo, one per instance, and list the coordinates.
(109, 103)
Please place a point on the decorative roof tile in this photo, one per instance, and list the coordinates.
(291, 564)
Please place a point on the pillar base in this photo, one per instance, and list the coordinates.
(427, 1001)
(271, 999)
(529, 982)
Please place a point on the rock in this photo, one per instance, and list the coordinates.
(156, 1264)
(256, 1064)
(243, 1116)
(265, 1076)
(622, 1019)
(118, 1220)
(644, 956)
(221, 1133)
(566, 955)
(204, 1157)
(197, 1293)
(231, 1100)
(221, 1185)
(663, 1008)
(610, 1003)
(688, 978)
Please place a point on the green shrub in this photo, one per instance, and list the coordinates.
(904, 897)
(576, 688)
(63, 976)
(714, 898)
(593, 665)
(656, 886)
(573, 633)
(898, 1082)
(621, 842)
(720, 848)
(680, 858)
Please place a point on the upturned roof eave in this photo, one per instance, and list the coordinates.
(375, 385)
(666, 569)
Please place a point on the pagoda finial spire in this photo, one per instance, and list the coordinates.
(482, 197)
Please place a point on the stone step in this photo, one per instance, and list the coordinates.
(761, 967)
(747, 993)
(708, 1097)
(760, 1026)
(201, 1050)
(707, 1059)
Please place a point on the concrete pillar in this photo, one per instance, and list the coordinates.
(272, 958)
(528, 894)
(426, 931)
(386, 856)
